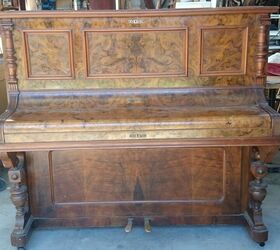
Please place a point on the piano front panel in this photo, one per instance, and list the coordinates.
(129, 182)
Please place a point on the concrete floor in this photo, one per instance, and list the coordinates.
(165, 238)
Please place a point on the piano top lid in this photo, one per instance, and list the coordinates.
(142, 13)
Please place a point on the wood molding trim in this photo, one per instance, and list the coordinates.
(269, 141)
(146, 13)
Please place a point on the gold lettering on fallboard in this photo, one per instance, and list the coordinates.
(135, 21)
(137, 135)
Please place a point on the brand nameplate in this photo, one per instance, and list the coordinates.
(138, 135)
(135, 21)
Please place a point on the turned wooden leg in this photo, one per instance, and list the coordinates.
(257, 193)
(19, 197)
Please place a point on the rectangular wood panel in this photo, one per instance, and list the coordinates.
(48, 54)
(136, 52)
(223, 50)
(136, 175)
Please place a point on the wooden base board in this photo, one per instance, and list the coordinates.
(138, 221)
(260, 236)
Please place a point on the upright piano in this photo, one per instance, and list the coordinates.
(122, 118)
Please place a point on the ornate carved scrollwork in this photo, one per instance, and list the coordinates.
(19, 196)
(19, 193)
(257, 191)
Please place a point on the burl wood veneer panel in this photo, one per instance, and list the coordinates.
(48, 54)
(223, 50)
(103, 27)
(139, 181)
(136, 52)
(142, 114)
(138, 175)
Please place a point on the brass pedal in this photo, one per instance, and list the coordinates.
(147, 225)
(129, 225)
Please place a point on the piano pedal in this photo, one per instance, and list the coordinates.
(147, 225)
(129, 225)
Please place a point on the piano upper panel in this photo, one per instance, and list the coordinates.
(148, 50)
(178, 74)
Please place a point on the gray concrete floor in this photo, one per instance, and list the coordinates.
(165, 238)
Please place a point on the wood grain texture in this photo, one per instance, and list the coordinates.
(3, 89)
(274, 117)
(84, 116)
(191, 143)
(128, 13)
(136, 52)
(139, 176)
(182, 77)
(131, 114)
(137, 182)
(8, 160)
(262, 47)
(48, 54)
(224, 50)
(10, 71)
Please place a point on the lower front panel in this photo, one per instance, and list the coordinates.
(134, 182)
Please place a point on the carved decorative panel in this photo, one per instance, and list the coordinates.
(49, 54)
(223, 50)
(131, 52)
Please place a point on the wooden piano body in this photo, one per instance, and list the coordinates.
(155, 115)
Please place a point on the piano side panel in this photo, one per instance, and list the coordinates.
(116, 183)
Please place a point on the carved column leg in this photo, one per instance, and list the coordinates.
(257, 193)
(19, 197)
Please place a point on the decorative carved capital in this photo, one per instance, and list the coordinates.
(9, 160)
(6, 24)
(265, 19)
